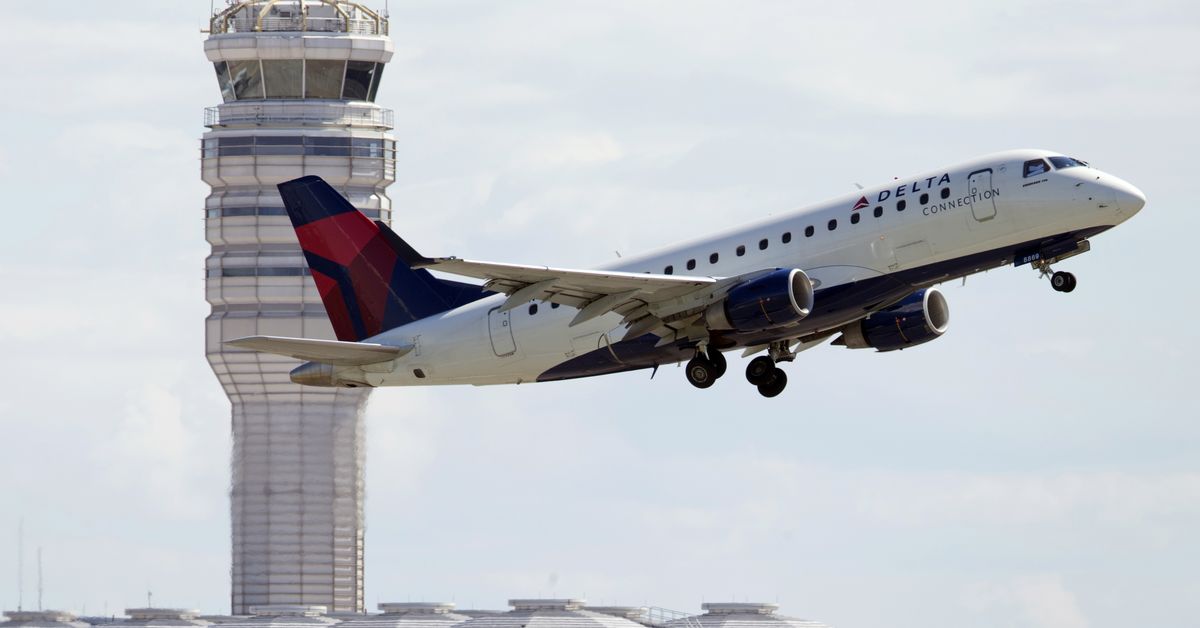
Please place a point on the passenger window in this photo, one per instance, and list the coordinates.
(691, 264)
(855, 217)
(945, 193)
(741, 250)
(533, 309)
(669, 270)
(833, 224)
(900, 205)
(712, 259)
(554, 306)
(1034, 167)
(809, 231)
(787, 237)
(762, 244)
(924, 199)
(878, 211)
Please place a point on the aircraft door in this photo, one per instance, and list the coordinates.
(500, 329)
(979, 195)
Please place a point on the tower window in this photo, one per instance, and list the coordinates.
(323, 78)
(359, 75)
(246, 78)
(283, 77)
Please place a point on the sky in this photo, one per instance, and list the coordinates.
(1035, 467)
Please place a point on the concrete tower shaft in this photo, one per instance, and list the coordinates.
(298, 80)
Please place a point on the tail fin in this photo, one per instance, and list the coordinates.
(362, 269)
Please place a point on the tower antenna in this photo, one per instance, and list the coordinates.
(40, 578)
(20, 563)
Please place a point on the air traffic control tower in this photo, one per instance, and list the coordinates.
(298, 80)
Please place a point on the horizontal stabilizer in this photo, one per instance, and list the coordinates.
(335, 352)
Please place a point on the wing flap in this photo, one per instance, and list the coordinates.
(335, 352)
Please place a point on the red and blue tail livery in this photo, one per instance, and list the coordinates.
(361, 268)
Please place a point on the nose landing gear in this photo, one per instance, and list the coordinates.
(1060, 281)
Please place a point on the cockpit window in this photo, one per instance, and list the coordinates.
(1066, 162)
(1034, 167)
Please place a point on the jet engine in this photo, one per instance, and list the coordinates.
(776, 299)
(919, 318)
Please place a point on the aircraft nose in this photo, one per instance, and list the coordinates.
(1129, 198)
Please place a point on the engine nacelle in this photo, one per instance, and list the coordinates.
(919, 318)
(777, 299)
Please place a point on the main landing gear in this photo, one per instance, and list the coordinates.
(704, 370)
(770, 379)
(709, 365)
(1061, 281)
(763, 373)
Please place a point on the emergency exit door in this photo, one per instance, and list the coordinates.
(500, 329)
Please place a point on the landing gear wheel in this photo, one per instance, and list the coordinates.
(701, 373)
(720, 365)
(1062, 281)
(760, 370)
(1070, 283)
(775, 386)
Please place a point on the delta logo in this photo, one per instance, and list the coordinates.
(862, 202)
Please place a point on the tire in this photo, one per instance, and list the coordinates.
(720, 364)
(1060, 281)
(701, 372)
(760, 370)
(775, 386)
(1070, 283)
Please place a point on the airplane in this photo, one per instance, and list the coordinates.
(863, 267)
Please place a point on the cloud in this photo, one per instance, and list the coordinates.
(566, 150)
(1041, 600)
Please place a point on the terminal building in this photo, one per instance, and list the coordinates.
(524, 613)
(297, 82)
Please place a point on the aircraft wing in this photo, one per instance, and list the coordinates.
(327, 351)
(646, 301)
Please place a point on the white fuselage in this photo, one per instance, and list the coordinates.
(986, 204)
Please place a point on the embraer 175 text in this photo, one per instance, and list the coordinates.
(861, 266)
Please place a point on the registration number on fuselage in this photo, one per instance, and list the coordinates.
(1021, 259)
